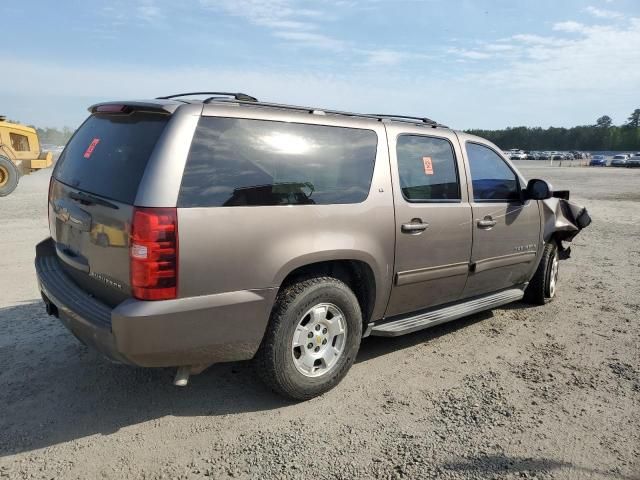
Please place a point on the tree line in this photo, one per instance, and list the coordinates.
(54, 136)
(601, 136)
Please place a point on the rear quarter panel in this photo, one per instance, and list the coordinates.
(241, 248)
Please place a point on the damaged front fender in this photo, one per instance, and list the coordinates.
(563, 220)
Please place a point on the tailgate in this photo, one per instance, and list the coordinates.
(91, 199)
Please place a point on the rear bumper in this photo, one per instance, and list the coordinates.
(187, 331)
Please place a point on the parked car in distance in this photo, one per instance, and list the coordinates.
(619, 160)
(634, 161)
(543, 156)
(515, 154)
(598, 161)
(189, 232)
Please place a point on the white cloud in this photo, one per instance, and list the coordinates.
(601, 13)
(310, 39)
(499, 47)
(582, 71)
(532, 39)
(569, 26)
(386, 57)
(469, 54)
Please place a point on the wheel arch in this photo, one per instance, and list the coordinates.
(357, 274)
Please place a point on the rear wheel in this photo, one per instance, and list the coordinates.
(9, 176)
(543, 286)
(312, 339)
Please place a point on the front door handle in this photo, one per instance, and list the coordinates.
(487, 222)
(415, 226)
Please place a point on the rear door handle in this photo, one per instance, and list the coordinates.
(487, 222)
(416, 226)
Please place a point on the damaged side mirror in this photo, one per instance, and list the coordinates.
(538, 190)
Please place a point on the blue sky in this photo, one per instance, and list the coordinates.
(468, 64)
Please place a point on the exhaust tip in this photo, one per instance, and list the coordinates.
(182, 376)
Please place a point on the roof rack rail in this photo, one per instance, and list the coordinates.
(238, 96)
(426, 120)
(378, 117)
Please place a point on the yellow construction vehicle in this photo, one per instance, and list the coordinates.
(20, 154)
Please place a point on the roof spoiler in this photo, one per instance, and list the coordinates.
(127, 107)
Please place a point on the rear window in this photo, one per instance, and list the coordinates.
(240, 162)
(108, 154)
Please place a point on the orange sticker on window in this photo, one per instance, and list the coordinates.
(428, 165)
(91, 147)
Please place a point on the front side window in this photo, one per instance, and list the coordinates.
(239, 162)
(19, 143)
(491, 177)
(427, 169)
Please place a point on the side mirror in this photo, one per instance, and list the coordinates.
(538, 189)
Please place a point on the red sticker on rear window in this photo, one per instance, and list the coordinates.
(91, 147)
(428, 165)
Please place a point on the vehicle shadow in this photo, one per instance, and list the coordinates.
(498, 465)
(53, 389)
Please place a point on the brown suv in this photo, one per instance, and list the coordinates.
(185, 233)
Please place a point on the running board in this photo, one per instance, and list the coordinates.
(400, 326)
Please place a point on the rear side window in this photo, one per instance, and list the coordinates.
(492, 179)
(240, 162)
(108, 154)
(427, 169)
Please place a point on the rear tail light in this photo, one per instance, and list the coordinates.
(153, 253)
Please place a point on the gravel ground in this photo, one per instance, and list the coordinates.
(518, 392)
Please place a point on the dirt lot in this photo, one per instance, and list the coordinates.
(533, 392)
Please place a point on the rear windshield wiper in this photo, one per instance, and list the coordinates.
(89, 199)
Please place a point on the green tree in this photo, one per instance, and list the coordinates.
(604, 121)
(634, 120)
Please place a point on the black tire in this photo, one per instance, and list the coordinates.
(9, 176)
(540, 291)
(274, 361)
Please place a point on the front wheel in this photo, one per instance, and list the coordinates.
(9, 176)
(543, 286)
(312, 339)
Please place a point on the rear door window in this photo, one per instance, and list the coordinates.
(241, 162)
(427, 169)
(108, 154)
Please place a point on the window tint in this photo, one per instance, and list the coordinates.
(427, 169)
(108, 154)
(491, 177)
(239, 162)
(19, 143)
